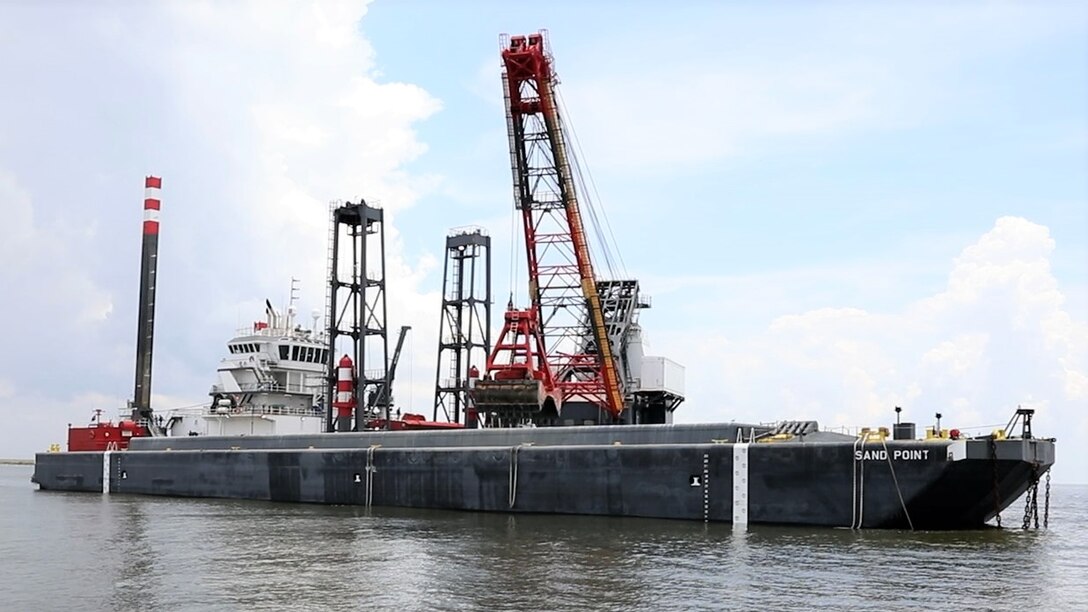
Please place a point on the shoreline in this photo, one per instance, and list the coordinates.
(16, 462)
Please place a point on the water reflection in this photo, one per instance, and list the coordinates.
(130, 551)
(80, 551)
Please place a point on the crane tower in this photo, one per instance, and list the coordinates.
(356, 309)
(464, 335)
(558, 350)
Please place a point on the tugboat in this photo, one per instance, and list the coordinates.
(272, 382)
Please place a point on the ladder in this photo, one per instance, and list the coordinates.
(328, 267)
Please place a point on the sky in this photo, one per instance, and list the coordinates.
(837, 208)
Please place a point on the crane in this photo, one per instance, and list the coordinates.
(381, 397)
(380, 401)
(558, 349)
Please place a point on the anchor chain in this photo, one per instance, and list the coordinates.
(1031, 500)
(1035, 503)
(993, 462)
(1046, 503)
(1027, 508)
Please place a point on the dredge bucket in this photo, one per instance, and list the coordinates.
(508, 395)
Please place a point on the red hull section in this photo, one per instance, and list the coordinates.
(103, 436)
(411, 422)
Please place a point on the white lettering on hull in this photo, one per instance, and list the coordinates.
(899, 454)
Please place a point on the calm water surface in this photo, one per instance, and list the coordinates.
(63, 551)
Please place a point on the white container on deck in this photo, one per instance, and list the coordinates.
(662, 374)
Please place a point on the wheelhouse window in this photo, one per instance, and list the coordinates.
(284, 352)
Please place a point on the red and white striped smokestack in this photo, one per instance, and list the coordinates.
(152, 189)
(145, 334)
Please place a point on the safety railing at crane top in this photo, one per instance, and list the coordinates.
(466, 230)
(376, 374)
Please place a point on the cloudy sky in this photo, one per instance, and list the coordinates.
(837, 208)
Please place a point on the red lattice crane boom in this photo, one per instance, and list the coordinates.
(562, 285)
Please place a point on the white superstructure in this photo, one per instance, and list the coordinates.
(271, 382)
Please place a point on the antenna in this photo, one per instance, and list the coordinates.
(294, 292)
(291, 299)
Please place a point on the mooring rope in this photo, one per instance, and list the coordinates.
(513, 480)
(854, 486)
(855, 519)
(370, 469)
(993, 464)
(895, 480)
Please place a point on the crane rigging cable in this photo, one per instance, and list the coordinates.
(608, 244)
(599, 247)
(561, 340)
(515, 249)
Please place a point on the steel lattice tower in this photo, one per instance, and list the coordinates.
(562, 284)
(464, 332)
(356, 305)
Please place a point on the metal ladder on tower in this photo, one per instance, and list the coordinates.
(328, 265)
(454, 293)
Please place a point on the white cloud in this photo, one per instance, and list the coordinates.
(317, 126)
(997, 336)
(256, 119)
(39, 247)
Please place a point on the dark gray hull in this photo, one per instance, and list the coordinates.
(673, 472)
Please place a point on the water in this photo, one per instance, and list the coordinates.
(63, 551)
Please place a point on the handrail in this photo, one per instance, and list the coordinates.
(264, 410)
(275, 387)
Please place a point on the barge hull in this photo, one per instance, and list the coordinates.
(927, 485)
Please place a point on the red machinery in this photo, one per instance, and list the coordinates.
(345, 404)
(101, 436)
(557, 350)
(411, 421)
